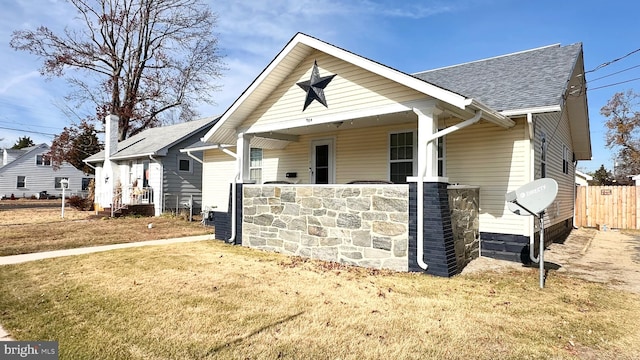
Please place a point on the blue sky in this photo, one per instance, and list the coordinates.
(410, 36)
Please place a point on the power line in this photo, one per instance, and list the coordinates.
(614, 84)
(40, 126)
(27, 131)
(615, 73)
(611, 61)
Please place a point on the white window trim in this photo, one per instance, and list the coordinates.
(415, 151)
(441, 156)
(258, 181)
(543, 154)
(56, 183)
(24, 182)
(190, 171)
(565, 159)
(42, 159)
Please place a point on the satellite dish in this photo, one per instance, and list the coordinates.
(532, 198)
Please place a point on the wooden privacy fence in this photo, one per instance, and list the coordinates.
(613, 206)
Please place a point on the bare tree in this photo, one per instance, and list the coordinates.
(137, 59)
(623, 130)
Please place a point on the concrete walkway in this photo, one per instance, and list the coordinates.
(17, 259)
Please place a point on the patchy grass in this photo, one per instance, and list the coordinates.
(41, 229)
(210, 300)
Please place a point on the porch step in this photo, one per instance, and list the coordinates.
(141, 210)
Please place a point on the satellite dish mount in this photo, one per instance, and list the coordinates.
(532, 199)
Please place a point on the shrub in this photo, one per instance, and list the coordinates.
(79, 203)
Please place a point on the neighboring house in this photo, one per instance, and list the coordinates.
(28, 172)
(321, 118)
(148, 168)
(582, 179)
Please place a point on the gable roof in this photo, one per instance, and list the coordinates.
(529, 79)
(300, 46)
(26, 154)
(155, 141)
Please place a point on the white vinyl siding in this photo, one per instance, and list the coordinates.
(38, 178)
(218, 172)
(353, 88)
(496, 160)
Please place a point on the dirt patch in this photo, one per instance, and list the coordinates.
(608, 257)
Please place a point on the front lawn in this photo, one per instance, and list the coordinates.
(210, 300)
(42, 229)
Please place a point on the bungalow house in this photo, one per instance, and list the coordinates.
(334, 156)
(28, 172)
(148, 170)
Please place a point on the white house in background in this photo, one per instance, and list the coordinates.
(582, 179)
(28, 172)
(319, 118)
(636, 179)
(148, 168)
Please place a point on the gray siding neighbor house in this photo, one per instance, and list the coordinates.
(27, 172)
(149, 169)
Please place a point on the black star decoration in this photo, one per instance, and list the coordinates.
(315, 87)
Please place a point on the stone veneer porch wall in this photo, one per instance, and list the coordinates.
(364, 225)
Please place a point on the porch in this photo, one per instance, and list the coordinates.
(369, 225)
(129, 200)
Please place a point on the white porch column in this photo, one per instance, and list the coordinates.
(243, 151)
(427, 151)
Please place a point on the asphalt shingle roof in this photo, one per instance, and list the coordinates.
(528, 79)
(155, 140)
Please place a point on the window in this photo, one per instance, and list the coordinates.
(255, 165)
(401, 157)
(441, 155)
(565, 159)
(403, 160)
(184, 165)
(58, 184)
(543, 155)
(21, 183)
(85, 183)
(43, 160)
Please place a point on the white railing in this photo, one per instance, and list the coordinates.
(120, 198)
(136, 195)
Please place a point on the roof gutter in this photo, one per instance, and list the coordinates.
(193, 156)
(492, 115)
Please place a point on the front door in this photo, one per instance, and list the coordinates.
(322, 162)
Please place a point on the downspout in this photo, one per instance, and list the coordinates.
(234, 201)
(420, 183)
(194, 157)
(532, 171)
(89, 165)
